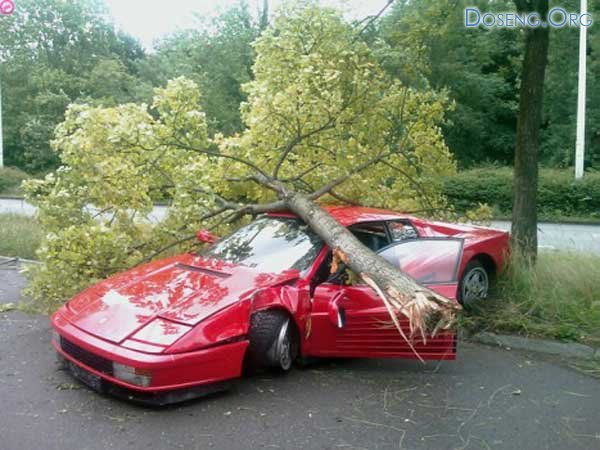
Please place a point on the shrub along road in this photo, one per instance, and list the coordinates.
(489, 398)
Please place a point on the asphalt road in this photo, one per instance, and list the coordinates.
(551, 236)
(563, 236)
(488, 399)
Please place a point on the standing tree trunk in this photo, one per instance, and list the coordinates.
(524, 214)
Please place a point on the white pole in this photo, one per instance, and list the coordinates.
(580, 141)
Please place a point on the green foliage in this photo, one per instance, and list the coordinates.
(556, 298)
(559, 195)
(81, 57)
(19, 236)
(93, 208)
(320, 104)
(10, 180)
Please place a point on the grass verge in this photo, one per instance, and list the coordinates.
(19, 236)
(558, 298)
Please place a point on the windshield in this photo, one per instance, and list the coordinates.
(269, 244)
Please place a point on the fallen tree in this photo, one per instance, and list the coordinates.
(323, 122)
(426, 311)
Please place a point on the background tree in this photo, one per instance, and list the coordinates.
(557, 135)
(427, 44)
(54, 53)
(218, 56)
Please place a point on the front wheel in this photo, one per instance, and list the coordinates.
(273, 341)
(474, 284)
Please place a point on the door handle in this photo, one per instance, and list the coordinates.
(337, 314)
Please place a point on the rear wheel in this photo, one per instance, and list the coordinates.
(273, 341)
(474, 284)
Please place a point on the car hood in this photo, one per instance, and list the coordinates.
(186, 289)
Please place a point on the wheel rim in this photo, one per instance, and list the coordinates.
(284, 347)
(475, 286)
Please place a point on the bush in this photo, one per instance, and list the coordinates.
(19, 236)
(10, 180)
(559, 195)
(557, 298)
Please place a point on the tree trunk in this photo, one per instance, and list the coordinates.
(524, 214)
(427, 311)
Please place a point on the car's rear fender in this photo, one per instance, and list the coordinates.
(492, 252)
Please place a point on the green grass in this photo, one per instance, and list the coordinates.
(19, 236)
(10, 181)
(558, 298)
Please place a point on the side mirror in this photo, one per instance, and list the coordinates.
(206, 237)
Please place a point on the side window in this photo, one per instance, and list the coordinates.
(371, 234)
(426, 260)
(402, 231)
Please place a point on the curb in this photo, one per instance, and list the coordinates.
(572, 350)
(566, 221)
(12, 197)
(9, 261)
(22, 199)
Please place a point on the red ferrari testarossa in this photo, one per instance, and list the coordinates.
(264, 296)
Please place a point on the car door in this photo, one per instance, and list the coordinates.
(352, 321)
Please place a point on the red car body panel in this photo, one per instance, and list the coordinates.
(185, 319)
(367, 332)
(184, 290)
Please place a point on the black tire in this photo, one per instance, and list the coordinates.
(273, 341)
(474, 285)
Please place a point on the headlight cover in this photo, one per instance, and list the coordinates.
(133, 375)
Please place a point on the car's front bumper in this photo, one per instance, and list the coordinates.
(198, 372)
(159, 398)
